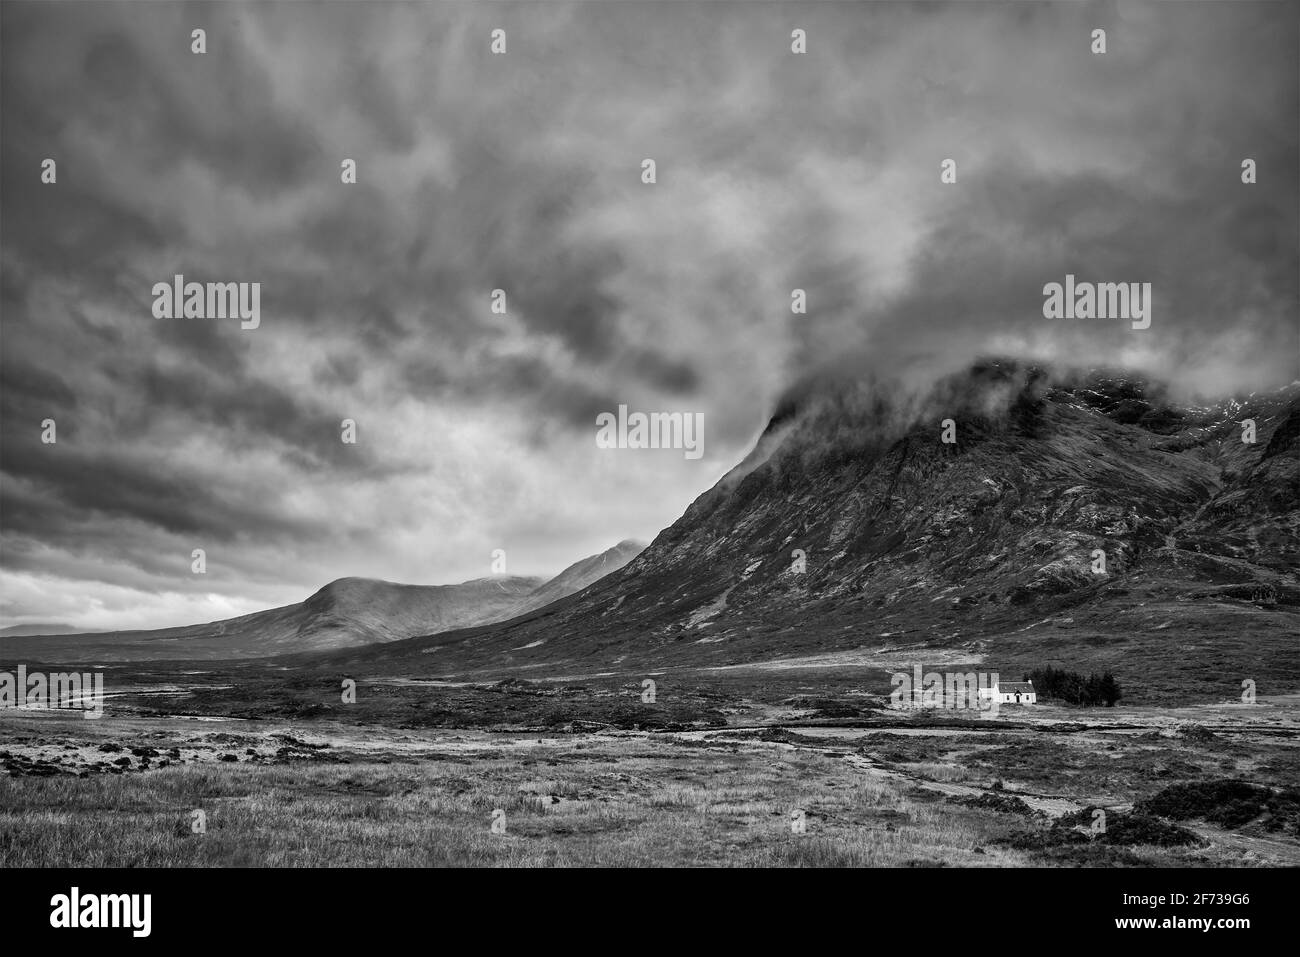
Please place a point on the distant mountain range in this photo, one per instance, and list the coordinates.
(347, 612)
(18, 631)
(983, 548)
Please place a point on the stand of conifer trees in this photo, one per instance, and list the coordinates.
(1073, 688)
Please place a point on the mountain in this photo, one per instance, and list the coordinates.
(22, 631)
(979, 549)
(581, 574)
(348, 612)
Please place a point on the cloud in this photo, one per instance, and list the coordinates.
(477, 172)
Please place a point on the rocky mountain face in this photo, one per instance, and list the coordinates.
(854, 526)
(349, 612)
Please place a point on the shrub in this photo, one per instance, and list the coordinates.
(1228, 803)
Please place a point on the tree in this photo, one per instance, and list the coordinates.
(1110, 689)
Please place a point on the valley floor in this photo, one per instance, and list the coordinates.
(777, 783)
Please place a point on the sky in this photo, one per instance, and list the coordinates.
(523, 172)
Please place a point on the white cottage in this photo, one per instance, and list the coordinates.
(1011, 692)
(1015, 692)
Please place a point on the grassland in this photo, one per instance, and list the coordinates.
(588, 774)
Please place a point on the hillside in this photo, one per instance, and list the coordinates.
(22, 631)
(581, 574)
(979, 548)
(348, 612)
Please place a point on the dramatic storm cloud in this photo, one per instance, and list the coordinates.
(522, 171)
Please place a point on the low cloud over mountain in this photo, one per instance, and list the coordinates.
(1074, 515)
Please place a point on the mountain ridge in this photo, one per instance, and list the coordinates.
(978, 547)
(345, 612)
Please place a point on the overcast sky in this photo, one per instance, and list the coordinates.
(522, 171)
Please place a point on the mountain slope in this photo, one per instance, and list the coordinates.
(349, 612)
(22, 631)
(581, 574)
(985, 546)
